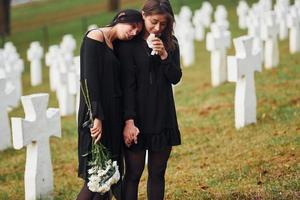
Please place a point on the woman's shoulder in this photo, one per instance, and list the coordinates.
(95, 35)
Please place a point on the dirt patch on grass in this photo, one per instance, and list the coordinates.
(207, 110)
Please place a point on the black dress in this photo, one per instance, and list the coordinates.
(101, 68)
(147, 93)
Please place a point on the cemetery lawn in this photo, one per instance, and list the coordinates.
(215, 161)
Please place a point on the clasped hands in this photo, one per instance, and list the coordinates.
(130, 133)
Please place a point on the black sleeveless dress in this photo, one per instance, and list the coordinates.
(101, 68)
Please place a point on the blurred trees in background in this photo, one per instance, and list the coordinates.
(114, 5)
(5, 17)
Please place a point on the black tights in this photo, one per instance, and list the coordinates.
(86, 194)
(157, 164)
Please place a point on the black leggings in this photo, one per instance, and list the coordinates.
(157, 164)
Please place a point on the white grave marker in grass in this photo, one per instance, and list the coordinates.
(293, 22)
(6, 98)
(217, 42)
(241, 70)
(270, 36)
(33, 132)
(35, 55)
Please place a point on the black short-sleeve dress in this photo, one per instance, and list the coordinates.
(101, 68)
(147, 93)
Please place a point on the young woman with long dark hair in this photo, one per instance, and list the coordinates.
(149, 108)
(101, 69)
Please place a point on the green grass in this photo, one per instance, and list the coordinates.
(215, 161)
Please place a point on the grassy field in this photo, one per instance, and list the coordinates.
(215, 161)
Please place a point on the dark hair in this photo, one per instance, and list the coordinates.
(127, 16)
(154, 7)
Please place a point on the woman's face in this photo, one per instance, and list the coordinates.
(156, 23)
(126, 31)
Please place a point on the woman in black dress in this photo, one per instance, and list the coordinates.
(149, 108)
(101, 68)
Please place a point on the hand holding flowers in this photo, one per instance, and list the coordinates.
(103, 172)
(96, 130)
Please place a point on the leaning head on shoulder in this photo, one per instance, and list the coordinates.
(125, 25)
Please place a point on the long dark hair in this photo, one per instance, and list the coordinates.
(154, 7)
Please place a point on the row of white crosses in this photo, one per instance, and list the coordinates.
(202, 19)
(11, 68)
(189, 28)
(64, 74)
(62, 71)
(241, 67)
(287, 18)
(184, 32)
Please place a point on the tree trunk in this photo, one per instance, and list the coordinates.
(4, 17)
(114, 5)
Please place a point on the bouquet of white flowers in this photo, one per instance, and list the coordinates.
(103, 172)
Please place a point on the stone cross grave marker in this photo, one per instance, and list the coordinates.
(52, 62)
(35, 55)
(33, 132)
(281, 16)
(293, 22)
(217, 42)
(242, 12)
(241, 70)
(270, 32)
(5, 135)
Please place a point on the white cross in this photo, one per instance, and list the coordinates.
(217, 41)
(33, 132)
(269, 35)
(14, 66)
(198, 19)
(52, 62)
(34, 55)
(207, 9)
(293, 22)
(281, 18)
(5, 138)
(242, 11)
(241, 70)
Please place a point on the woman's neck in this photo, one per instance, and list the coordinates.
(110, 33)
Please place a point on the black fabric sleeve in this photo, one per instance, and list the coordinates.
(128, 77)
(171, 65)
(93, 71)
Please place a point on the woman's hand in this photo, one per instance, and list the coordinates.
(96, 130)
(159, 47)
(130, 133)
